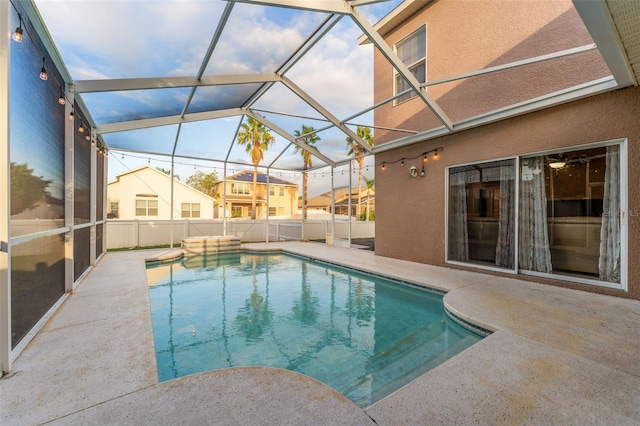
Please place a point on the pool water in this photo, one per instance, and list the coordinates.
(365, 336)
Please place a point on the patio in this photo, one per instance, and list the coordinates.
(557, 356)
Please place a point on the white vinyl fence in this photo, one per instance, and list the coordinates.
(147, 233)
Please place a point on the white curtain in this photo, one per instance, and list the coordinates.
(609, 261)
(534, 253)
(458, 232)
(505, 245)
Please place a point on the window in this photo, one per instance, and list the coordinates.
(568, 221)
(272, 190)
(236, 211)
(114, 210)
(190, 209)
(281, 191)
(146, 207)
(240, 189)
(412, 51)
(272, 211)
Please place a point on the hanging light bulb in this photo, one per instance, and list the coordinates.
(435, 155)
(17, 34)
(81, 128)
(402, 162)
(384, 167)
(425, 158)
(87, 136)
(43, 71)
(71, 114)
(61, 99)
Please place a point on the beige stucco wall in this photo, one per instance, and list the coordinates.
(464, 36)
(410, 212)
(287, 203)
(149, 181)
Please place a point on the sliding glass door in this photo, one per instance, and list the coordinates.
(481, 213)
(568, 214)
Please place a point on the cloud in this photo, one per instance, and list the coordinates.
(126, 39)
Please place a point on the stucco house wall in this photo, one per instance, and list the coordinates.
(463, 36)
(149, 183)
(411, 212)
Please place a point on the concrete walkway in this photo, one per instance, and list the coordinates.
(557, 356)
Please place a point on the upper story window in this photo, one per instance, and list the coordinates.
(412, 50)
(272, 190)
(281, 189)
(240, 189)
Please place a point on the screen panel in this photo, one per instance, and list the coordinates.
(37, 282)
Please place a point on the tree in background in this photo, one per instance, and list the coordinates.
(310, 139)
(370, 183)
(205, 183)
(167, 172)
(358, 151)
(27, 190)
(256, 139)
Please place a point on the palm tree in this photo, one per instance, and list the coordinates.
(310, 139)
(369, 183)
(358, 151)
(256, 139)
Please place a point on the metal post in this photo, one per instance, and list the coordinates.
(69, 134)
(268, 199)
(5, 199)
(224, 200)
(171, 207)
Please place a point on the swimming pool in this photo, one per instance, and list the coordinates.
(363, 335)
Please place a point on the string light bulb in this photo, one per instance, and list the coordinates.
(81, 128)
(17, 34)
(43, 71)
(87, 136)
(384, 167)
(435, 155)
(424, 158)
(61, 99)
(71, 117)
(402, 162)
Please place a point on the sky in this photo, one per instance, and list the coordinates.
(111, 39)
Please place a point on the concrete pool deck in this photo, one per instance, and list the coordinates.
(557, 356)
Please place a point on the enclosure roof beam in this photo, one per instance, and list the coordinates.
(322, 110)
(402, 69)
(329, 6)
(166, 121)
(312, 150)
(118, 85)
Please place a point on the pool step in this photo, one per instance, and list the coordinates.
(210, 244)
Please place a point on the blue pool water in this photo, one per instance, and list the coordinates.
(360, 334)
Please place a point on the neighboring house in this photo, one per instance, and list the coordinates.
(341, 195)
(540, 189)
(145, 193)
(283, 195)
